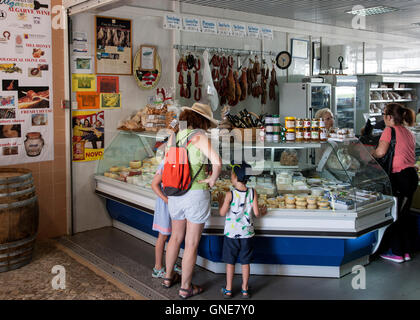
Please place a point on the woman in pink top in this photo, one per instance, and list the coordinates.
(404, 179)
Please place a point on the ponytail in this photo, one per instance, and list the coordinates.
(400, 114)
(409, 117)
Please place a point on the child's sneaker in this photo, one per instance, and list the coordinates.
(177, 269)
(392, 257)
(407, 257)
(158, 273)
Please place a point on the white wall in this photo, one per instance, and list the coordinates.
(89, 209)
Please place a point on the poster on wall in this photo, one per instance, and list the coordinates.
(88, 135)
(83, 82)
(107, 84)
(113, 52)
(26, 109)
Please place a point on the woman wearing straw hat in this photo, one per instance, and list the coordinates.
(190, 211)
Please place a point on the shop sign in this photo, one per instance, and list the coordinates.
(224, 28)
(267, 33)
(191, 24)
(253, 31)
(238, 30)
(209, 26)
(172, 22)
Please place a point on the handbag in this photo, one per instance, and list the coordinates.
(386, 160)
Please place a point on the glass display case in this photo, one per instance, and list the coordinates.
(332, 188)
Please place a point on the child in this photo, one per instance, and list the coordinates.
(237, 206)
(161, 224)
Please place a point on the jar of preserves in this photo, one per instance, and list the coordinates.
(300, 135)
(323, 135)
(307, 135)
(276, 137)
(315, 124)
(299, 123)
(321, 123)
(269, 123)
(306, 123)
(275, 119)
(34, 144)
(269, 137)
(315, 134)
(291, 135)
(290, 122)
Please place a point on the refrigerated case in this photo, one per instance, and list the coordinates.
(303, 100)
(343, 103)
(324, 242)
(375, 91)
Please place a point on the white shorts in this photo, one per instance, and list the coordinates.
(193, 206)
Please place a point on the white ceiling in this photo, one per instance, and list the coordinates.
(330, 12)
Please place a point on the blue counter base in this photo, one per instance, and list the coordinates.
(294, 256)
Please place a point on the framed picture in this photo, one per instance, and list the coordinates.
(299, 48)
(147, 58)
(113, 46)
(316, 58)
(110, 101)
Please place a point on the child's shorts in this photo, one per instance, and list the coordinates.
(237, 248)
(161, 218)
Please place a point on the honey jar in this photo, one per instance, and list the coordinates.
(290, 122)
(291, 135)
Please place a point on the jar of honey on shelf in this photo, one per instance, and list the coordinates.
(291, 135)
(323, 134)
(290, 122)
(299, 123)
(315, 130)
(300, 134)
(321, 123)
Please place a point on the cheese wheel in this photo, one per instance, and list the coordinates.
(290, 206)
(114, 169)
(301, 203)
(135, 164)
(311, 200)
(301, 207)
(312, 206)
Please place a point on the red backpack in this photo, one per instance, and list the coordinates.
(176, 178)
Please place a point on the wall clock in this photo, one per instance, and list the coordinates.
(283, 60)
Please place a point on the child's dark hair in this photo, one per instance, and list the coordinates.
(400, 114)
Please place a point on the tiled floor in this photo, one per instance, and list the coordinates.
(34, 281)
(134, 259)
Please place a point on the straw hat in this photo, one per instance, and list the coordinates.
(203, 110)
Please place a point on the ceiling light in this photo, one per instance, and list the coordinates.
(417, 24)
(372, 11)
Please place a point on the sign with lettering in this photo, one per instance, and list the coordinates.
(171, 21)
(26, 109)
(208, 26)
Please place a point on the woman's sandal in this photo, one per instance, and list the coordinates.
(245, 294)
(168, 282)
(190, 292)
(227, 294)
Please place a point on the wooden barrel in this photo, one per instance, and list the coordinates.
(18, 218)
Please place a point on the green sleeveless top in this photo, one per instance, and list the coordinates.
(197, 159)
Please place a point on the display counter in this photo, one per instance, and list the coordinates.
(342, 201)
